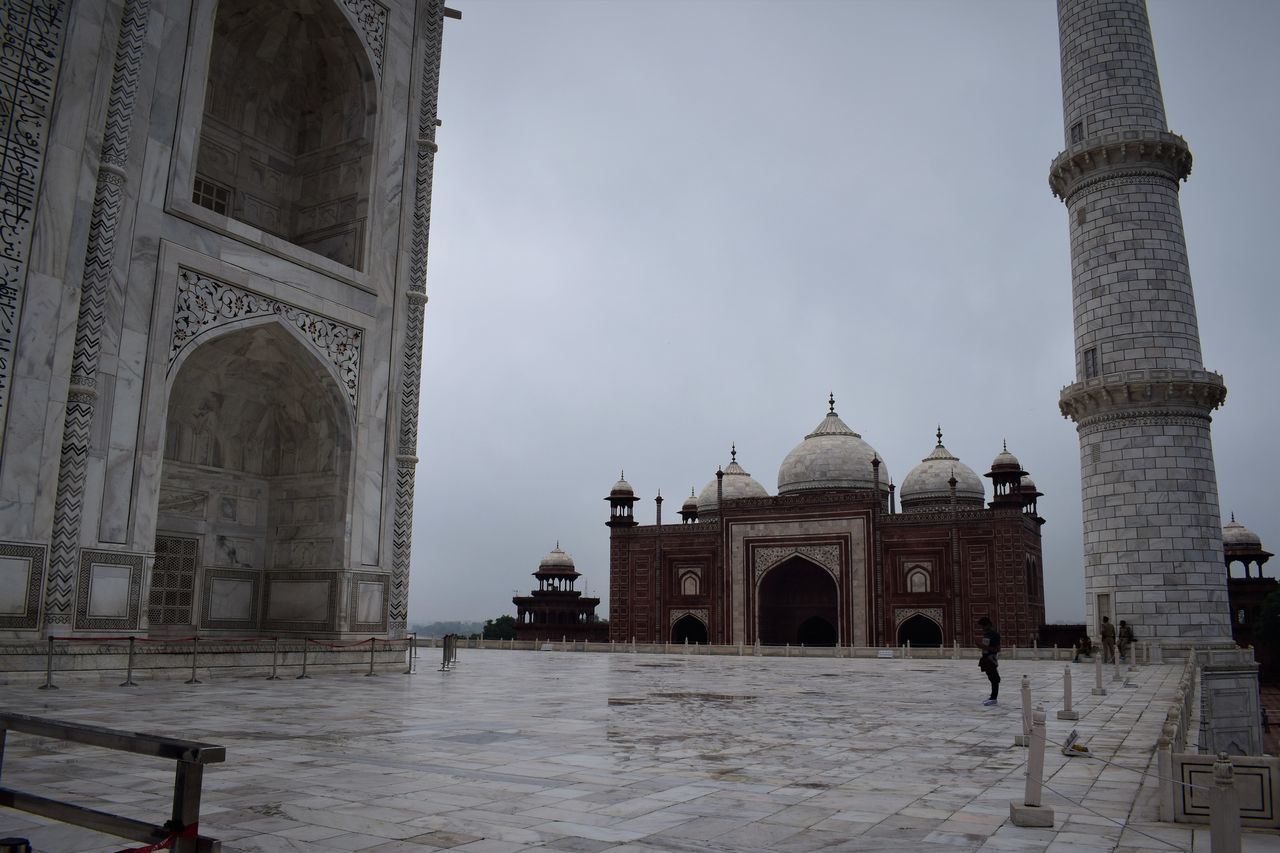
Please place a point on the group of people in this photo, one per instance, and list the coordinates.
(1111, 639)
(989, 660)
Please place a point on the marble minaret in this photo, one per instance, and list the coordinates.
(1142, 398)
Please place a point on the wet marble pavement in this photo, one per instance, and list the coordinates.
(589, 752)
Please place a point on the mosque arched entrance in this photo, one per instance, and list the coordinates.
(920, 631)
(255, 478)
(797, 604)
(689, 629)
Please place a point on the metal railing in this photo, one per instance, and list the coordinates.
(181, 830)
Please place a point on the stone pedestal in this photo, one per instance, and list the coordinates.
(1230, 706)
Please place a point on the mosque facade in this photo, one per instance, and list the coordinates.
(215, 239)
(830, 559)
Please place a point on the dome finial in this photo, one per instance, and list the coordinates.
(939, 434)
(831, 403)
(1233, 518)
(622, 475)
(557, 544)
(1004, 443)
(733, 452)
(691, 492)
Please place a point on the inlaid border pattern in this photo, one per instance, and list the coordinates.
(205, 303)
(35, 584)
(331, 609)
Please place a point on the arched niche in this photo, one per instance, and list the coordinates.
(791, 595)
(286, 139)
(256, 472)
(690, 629)
(920, 631)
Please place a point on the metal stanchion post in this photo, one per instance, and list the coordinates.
(128, 673)
(195, 652)
(48, 667)
(275, 660)
(410, 652)
(305, 641)
(373, 646)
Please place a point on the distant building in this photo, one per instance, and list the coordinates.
(555, 610)
(1242, 545)
(829, 560)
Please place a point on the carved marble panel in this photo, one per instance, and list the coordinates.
(204, 303)
(369, 601)
(108, 591)
(21, 582)
(827, 556)
(699, 613)
(300, 601)
(370, 19)
(230, 599)
(902, 614)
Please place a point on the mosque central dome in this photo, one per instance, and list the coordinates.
(831, 457)
(930, 481)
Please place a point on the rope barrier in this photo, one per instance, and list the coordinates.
(1155, 776)
(1122, 824)
(187, 832)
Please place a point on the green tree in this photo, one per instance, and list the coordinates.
(502, 628)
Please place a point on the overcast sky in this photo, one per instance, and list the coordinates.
(662, 227)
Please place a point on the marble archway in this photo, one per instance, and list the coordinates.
(796, 598)
(255, 478)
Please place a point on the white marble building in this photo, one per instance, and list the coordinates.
(215, 222)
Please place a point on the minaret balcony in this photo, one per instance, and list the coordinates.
(1116, 155)
(1190, 391)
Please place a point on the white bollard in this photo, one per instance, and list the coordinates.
(1098, 689)
(1024, 739)
(1029, 812)
(1224, 808)
(1116, 675)
(955, 650)
(1155, 652)
(1164, 770)
(1067, 713)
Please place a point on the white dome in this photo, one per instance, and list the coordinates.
(1005, 461)
(622, 487)
(831, 457)
(556, 562)
(691, 502)
(1029, 485)
(737, 484)
(930, 481)
(1237, 534)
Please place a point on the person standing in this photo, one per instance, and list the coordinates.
(1108, 640)
(1125, 640)
(989, 662)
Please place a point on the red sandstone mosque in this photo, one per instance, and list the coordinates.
(830, 560)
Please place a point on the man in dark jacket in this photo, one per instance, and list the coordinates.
(989, 662)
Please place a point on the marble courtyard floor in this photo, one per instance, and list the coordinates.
(516, 751)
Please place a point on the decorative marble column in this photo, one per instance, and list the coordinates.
(1142, 398)
(82, 393)
(433, 13)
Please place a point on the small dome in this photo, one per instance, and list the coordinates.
(831, 457)
(930, 481)
(690, 502)
(737, 484)
(556, 563)
(1005, 461)
(1239, 536)
(622, 488)
(1029, 486)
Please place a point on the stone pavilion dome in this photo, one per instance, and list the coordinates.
(930, 481)
(1236, 534)
(1005, 461)
(737, 484)
(622, 488)
(691, 502)
(557, 563)
(831, 457)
